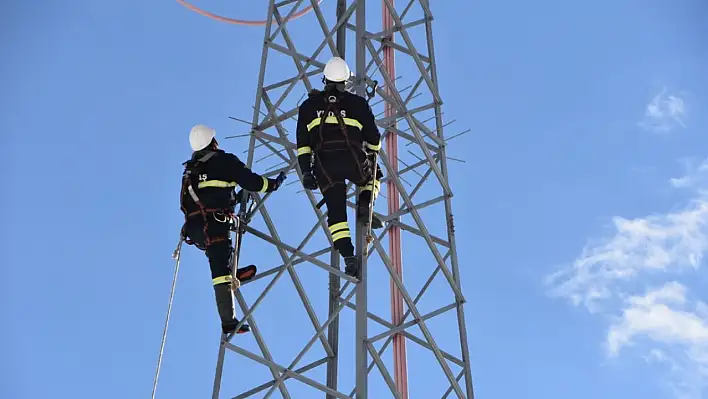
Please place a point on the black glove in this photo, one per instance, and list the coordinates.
(309, 181)
(278, 181)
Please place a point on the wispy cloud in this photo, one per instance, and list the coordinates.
(675, 327)
(608, 278)
(656, 243)
(664, 112)
(662, 314)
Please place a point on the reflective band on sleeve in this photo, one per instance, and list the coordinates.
(373, 147)
(265, 184)
(304, 150)
(222, 280)
(341, 234)
(217, 183)
(333, 120)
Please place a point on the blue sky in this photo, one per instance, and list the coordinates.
(581, 208)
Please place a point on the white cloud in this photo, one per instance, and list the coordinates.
(670, 242)
(662, 322)
(664, 317)
(656, 243)
(661, 315)
(664, 112)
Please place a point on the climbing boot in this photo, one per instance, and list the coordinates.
(246, 273)
(363, 215)
(351, 266)
(225, 306)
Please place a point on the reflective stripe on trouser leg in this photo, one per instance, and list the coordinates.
(222, 279)
(341, 237)
(340, 231)
(335, 197)
(365, 193)
(376, 185)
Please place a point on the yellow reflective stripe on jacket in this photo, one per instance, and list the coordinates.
(333, 120)
(304, 150)
(265, 184)
(340, 235)
(373, 147)
(222, 280)
(217, 183)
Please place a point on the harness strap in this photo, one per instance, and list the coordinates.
(332, 101)
(188, 185)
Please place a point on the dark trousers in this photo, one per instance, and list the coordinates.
(332, 170)
(220, 251)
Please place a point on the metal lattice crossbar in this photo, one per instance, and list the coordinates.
(416, 183)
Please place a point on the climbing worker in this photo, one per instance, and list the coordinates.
(208, 202)
(337, 140)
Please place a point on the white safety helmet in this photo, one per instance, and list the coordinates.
(337, 70)
(200, 137)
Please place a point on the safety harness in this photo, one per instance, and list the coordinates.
(190, 185)
(332, 106)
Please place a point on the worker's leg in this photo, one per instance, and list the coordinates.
(335, 198)
(219, 255)
(364, 201)
(331, 172)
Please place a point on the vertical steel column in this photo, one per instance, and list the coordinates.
(334, 280)
(464, 345)
(400, 361)
(333, 329)
(342, 31)
(361, 294)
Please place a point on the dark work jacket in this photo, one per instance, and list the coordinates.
(218, 178)
(355, 112)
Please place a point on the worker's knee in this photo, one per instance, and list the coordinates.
(219, 255)
(366, 190)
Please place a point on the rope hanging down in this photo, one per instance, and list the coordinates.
(176, 255)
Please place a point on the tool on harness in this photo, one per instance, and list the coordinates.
(189, 185)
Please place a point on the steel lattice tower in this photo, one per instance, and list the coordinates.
(415, 205)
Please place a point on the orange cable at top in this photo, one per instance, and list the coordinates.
(240, 21)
